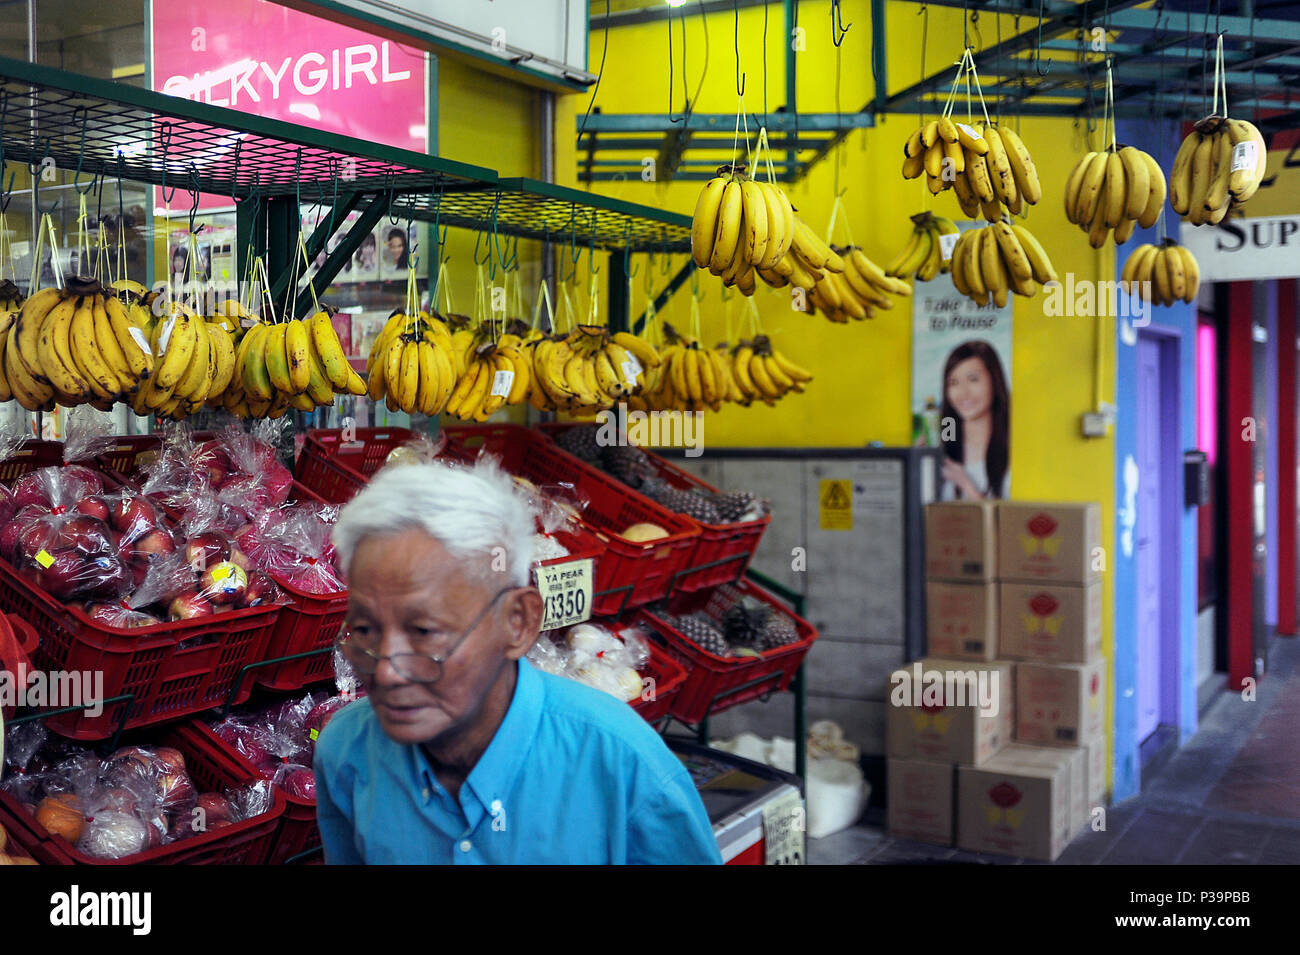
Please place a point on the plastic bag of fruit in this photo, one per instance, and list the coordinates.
(304, 558)
(419, 450)
(246, 470)
(165, 580)
(59, 537)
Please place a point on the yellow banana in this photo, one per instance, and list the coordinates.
(295, 346)
(704, 225)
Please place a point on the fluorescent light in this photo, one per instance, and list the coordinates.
(676, 3)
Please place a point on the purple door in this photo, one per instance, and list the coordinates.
(1148, 535)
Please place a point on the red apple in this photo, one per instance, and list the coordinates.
(175, 791)
(80, 481)
(156, 542)
(188, 606)
(93, 506)
(239, 558)
(223, 583)
(171, 758)
(260, 590)
(132, 514)
(211, 458)
(8, 506)
(32, 488)
(89, 535)
(12, 541)
(297, 781)
(215, 807)
(321, 715)
(206, 549)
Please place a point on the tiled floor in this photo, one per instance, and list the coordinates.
(1229, 796)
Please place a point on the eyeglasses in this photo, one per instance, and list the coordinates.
(417, 667)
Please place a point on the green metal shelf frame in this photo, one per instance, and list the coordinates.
(1157, 66)
(99, 127)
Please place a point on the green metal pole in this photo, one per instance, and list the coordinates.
(791, 93)
(878, 63)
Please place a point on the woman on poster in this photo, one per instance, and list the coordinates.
(975, 424)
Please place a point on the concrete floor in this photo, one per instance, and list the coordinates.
(1229, 796)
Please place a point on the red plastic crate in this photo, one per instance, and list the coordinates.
(336, 470)
(212, 768)
(644, 570)
(168, 680)
(722, 551)
(30, 457)
(297, 831)
(126, 459)
(669, 677)
(714, 683)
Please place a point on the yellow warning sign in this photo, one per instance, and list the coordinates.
(835, 500)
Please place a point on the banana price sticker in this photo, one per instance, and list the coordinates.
(835, 505)
(566, 593)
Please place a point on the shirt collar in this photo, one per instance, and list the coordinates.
(493, 776)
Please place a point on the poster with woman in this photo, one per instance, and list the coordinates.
(961, 389)
(396, 242)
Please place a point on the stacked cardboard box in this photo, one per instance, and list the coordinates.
(1012, 590)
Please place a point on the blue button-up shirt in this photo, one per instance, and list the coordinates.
(571, 776)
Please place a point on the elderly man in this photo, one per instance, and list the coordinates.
(462, 752)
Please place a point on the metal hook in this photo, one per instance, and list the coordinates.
(735, 39)
(36, 181)
(194, 197)
(234, 175)
(627, 252)
(1038, 52)
(837, 23)
(81, 153)
(591, 246)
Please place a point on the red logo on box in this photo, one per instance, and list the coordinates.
(1005, 795)
(1041, 525)
(1044, 605)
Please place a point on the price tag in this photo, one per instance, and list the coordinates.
(44, 559)
(220, 572)
(248, 322)
(501, 383)
(138, 337)
(631, 368)
(947, 243)
(971, 131)
(783, 830)
(313, 735)
(166, 335)
(1245, 155)
(566, 593)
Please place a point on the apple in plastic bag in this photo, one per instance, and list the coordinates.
(223, 583)
(30, 489)
(206, 549)
(188, 606)
(260, 590)
(89, 535)
(133, 513)
(93, 506)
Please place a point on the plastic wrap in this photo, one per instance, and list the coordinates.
(88, 434)
(67, 552)
(305, 559)
(22, 742)
(11, 440)
(253, 799)
(8, 506)
(421, 450)
(596, 656)
(167, 578)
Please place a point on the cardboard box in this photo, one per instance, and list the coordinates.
(961, 540)
(961, 620)
(1060, 704)
(1053, 542)
(1050, 622)
(1025, 801)
(920, 801)
(930, 716)
(1095, 763)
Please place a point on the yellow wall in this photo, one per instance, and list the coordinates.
(862, 390)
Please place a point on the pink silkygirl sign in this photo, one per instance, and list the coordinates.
(262, 58)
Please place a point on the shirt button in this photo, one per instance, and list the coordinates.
(425, 792)
(465, 846)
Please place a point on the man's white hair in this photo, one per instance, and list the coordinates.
(476, 511)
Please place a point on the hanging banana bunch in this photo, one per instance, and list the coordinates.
(762, 373)
(998, 259)
(923, 257)
(741, 227)
(1162, 274)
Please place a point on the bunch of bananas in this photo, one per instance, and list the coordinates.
(1114, 189)
(855, 291)
(414, 364)
(497, 374)
(762, 373)
(741, 225)
(923, 255)
(689, 377)
(986, 165)
(298, 364)
(1162, 274)
(1219, 166)
(589, 369)
(999, 259)
(75, 345)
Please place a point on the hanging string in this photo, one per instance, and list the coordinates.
(1109, 109)
(766, 119)
(600, 73)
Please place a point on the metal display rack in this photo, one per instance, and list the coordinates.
(97, 127)
(1048, 66)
